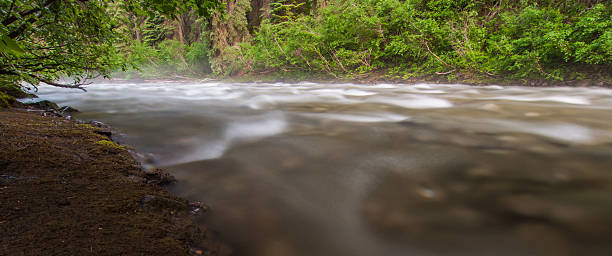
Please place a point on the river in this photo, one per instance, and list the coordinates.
(305, 169)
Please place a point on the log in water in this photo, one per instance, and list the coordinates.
(344, 169)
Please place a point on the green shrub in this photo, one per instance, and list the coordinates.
(169, 58)
(411, 38)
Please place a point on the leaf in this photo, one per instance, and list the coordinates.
(10, 46)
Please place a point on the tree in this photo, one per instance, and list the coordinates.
(43, 40)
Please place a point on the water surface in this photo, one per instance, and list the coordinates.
(383, 169)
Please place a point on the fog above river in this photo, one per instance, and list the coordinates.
(382, 169)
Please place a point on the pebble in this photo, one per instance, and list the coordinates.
(198, 208)
(426, 192)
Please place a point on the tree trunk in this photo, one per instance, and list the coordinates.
(179, 29)
(137, 32)
(259, 11)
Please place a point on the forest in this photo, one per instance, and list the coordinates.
(306, 127)
(544, 40)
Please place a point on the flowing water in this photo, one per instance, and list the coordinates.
(342, 169)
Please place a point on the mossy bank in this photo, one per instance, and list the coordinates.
(67, 190)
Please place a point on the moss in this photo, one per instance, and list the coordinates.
(88, 126)
(6, 100)
(101, 137)
(111, 144)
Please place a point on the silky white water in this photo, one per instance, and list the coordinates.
(379, 169)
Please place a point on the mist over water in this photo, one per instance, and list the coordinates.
(345, 169)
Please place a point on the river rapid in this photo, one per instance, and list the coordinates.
(305, 169)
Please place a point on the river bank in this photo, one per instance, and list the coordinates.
(595, 80)
(583, 77)
(67, 189)
(382, 78)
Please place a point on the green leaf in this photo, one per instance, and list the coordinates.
(10, 46)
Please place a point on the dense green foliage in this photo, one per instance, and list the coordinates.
(415, 38)
(158, 46)
(167, 58)
(56, 37)
(44, 40)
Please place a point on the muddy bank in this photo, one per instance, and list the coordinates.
(66, 189)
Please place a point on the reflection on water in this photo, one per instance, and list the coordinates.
(343, 169)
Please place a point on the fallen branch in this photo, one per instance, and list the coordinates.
(187, 65)
(339, 62)
(436, 56)
(326, 63)
(445, 73)
(490, 74)
(281, 48)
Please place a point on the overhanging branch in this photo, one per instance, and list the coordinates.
(47, 81)
(72, 86)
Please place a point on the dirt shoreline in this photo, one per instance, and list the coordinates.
(67, 189)
(371, 78)
(596, 80)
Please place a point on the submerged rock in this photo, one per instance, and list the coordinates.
(198, 208)
(44, 105)
(104, 132)
(68, 110)
(158, 177)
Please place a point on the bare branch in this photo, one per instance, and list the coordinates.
(445, 73)
(72, 86)
(436, 56)
(46, 81)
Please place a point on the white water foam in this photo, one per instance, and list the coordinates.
(258, 102)
(250, 129)
(414, 102)
(256, 128)
(423, 86)
(561, 99)
(383, 86)
(359, 118)
(493, 87)
(560, 131)
(430, 91)
(355, 92)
